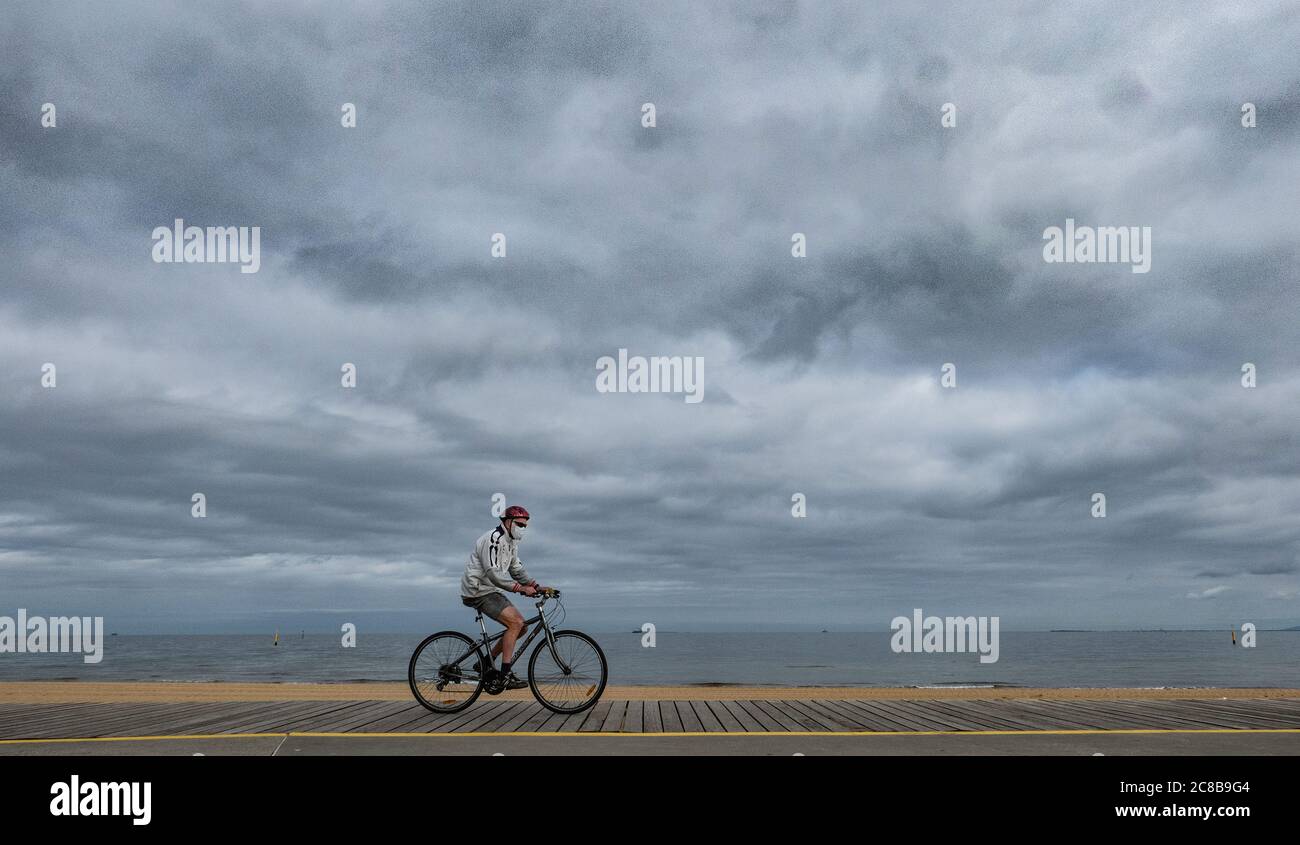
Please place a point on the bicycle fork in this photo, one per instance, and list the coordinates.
(550, 641)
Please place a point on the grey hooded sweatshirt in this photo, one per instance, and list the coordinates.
(494, 565)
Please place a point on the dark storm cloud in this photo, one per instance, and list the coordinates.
(476, 375)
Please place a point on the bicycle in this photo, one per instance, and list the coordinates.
(566, 672)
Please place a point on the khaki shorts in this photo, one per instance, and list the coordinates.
(492, 605)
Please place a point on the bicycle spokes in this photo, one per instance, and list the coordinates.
(446, 672)
(572, 682)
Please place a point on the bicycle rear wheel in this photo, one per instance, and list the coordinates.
(444, 673)
(579, 687)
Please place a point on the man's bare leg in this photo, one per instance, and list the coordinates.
(514, 622)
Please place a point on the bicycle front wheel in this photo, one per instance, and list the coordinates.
(574, 681)
(445, 672)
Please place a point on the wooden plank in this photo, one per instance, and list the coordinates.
(103, 719)
(1282, 706)
(1208, 717)
(1105, 718)
(179, 718)
(364, 723)
(303, 713)
(1114, 715)
(705, 716)
(291, 712)
(807, 718)
(746, 721)
(866, 711)
(1176, 711)
(758, 720)
(504, 715)
(1155, 717)
(632, 722)
(536, 721)
(1225, 718)
(430, 722)
(343, 721)
(1006, 710)
(14, 712)
(596, 716)
(274, 714)
(1249, 713)
(214, 717)
(196, 719)
(1292, 717)
(522, 715)
(797, 716)
(129, 718)
(414, 719)
(33, 716)
(723, 716)
(126, 719)
(778, 716)
(826, 720)
(614, 717)
(1039, 719)
(250, 722)
(1139, 714)
(15, 706)
(11, 706)
(550, 724)
(58, 715)
(983, 718)
(857, 718)
(1265, 709)
(1069, 717)
(475, 720)
(26, 712)
(1034, 718)
(650, 717)
(917, 713)
(668, 715)
(851, 720)
(445, 724)
(575, 721)
(690, 722)
(16, 720)
(960, 719)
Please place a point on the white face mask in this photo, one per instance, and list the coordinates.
(517, 532)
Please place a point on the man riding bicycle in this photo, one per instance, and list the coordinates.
(494, 567)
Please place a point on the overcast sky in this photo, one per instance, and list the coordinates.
(476, 375)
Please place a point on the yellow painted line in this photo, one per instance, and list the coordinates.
(822, 733)
(669, 733)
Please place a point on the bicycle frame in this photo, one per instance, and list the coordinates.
(520, 648)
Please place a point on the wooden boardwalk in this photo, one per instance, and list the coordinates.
(85, 720)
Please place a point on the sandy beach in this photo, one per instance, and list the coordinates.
(57, 692)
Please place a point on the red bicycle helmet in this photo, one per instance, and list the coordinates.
(515, 512)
